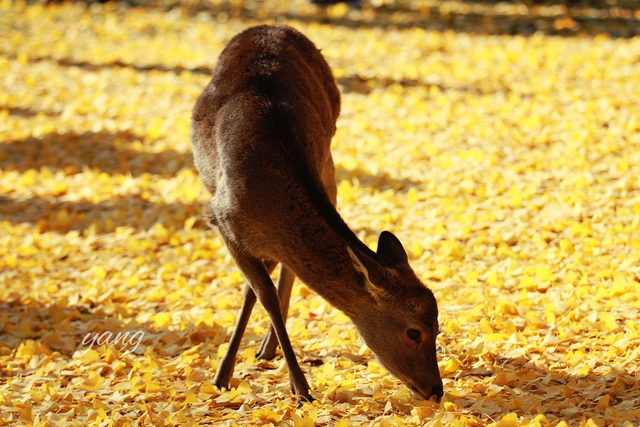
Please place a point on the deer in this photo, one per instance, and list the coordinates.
(261, 133)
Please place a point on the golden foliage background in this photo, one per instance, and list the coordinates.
(509, 165)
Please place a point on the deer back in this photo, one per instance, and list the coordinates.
(272, 104)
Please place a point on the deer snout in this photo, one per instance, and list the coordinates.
(427, 392)
(438, 391)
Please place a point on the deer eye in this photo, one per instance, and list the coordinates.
(414, 334)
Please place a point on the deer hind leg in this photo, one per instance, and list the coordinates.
(228, 361)
(265, 291)
(285, 284)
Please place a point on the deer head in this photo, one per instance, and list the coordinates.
(401, 324)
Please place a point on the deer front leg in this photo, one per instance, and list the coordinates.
(228, 361)
(258, 277)
(285, 284)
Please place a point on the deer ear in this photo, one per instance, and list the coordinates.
(364, 265)
(390, 249)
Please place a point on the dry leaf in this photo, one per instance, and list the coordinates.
(508, 166)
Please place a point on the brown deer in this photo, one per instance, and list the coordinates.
(261, 134)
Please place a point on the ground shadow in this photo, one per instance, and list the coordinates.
(530, 385)
(110, 152)
(586, 17)
(618, 18)
(26, 112)
(364, 85)
(493, 24)
(350, 83)
(115, 153)
(137, 212)
(95, 66)
(53, 214)
(64, 328)
(382, 181)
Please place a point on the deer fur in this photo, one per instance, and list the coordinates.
(261, 135)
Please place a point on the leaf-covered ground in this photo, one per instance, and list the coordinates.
(509, 165)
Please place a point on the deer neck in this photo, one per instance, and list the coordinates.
(322, 262)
